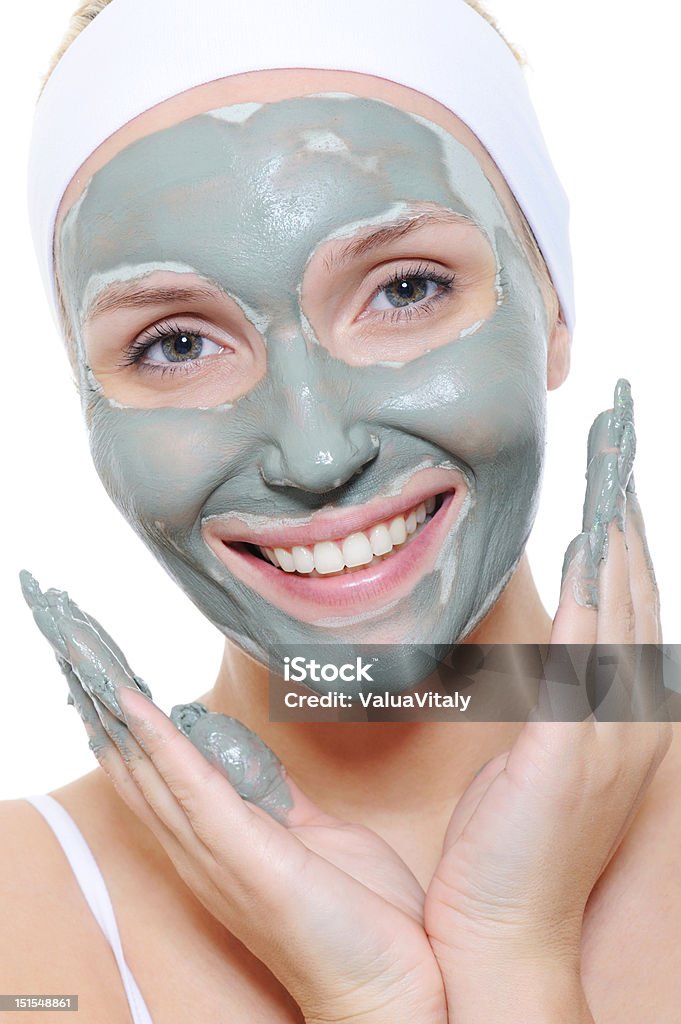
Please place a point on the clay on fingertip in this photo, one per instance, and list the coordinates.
(609, 479)
(240, 755)
(82, 643)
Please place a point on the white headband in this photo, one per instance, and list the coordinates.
(137, 53)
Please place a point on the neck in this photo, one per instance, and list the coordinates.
(419, 766)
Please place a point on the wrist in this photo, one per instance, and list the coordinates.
(517, 993)
(404, 1013)
(407, 1007)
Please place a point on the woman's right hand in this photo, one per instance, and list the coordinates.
(327, 905)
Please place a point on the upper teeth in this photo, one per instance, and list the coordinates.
(356, 549)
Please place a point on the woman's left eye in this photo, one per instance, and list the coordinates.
(411, 288)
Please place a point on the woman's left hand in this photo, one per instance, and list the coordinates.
(537, 826)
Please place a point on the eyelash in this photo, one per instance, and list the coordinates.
(166, 329)
(421, 272)
(159, 332)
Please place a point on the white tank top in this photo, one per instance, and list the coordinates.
(94, 889)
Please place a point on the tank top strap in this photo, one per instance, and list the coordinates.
(93, 887)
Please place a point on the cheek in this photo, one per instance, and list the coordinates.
(477, 398)
(159, 466)
(503, 414)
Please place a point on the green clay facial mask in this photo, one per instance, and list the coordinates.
(243, 198)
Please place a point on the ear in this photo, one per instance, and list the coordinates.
(558, 356)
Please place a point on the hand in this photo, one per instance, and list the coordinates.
(327, 905)
(535, 829)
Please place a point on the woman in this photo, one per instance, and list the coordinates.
(228, 225)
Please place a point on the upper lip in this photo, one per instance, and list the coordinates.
(332, 525)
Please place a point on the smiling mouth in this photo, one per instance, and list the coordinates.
(354, 553)
(362, 572)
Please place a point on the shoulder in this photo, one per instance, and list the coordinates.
(55, 944)
(631, 954)
(49, 940)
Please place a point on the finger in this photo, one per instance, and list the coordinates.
(99, 741)
(97, 666)
(616, 630)
(616, 618)
(243, 758)
(575, 621)
(248, 763)
(114, 754)
(120, 756)
(563, 694)
(30, 588)
(576, 618)
(596, 604)
(611, 450)
(644, 590)
(118, 658)
(132, 772)
(256, 853)
(164, 815)
(197, 785)
(79, 640)
(43, 614)
(471, 798)
(201, 864)
(659, 739)
(616, 609)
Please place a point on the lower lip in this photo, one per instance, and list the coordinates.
(306, 597)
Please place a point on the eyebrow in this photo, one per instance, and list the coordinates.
(133, 295)
(390, 233)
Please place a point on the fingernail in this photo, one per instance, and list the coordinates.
(143, 687)
(573, 549)
(604, 433)
(133, 710)
(579, 556)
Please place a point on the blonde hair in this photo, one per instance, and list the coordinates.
(80, 20)
(89, 10)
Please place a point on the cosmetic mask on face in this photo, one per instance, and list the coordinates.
(243, 197)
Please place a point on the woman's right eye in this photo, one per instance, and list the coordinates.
(181, 347)
(167, 346)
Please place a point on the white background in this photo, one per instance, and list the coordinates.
(605, 83)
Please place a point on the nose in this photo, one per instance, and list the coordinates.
(319, 454)
(313, 445)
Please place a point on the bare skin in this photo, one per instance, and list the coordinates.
(417, 775)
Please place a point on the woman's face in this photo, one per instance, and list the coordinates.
(300, 311)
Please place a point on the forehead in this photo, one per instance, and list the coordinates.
(280, 84)
(252, 189)
(278, 170)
